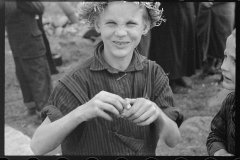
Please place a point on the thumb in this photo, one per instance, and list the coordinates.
(130, 102)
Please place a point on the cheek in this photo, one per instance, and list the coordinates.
(136, 35)
(233, 72)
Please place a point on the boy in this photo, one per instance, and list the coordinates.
(98, 109)
(221, 140)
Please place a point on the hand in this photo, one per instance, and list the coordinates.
(103, 101)
(143, 111)
(207, 4)
(222, 152)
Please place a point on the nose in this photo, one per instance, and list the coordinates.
(224, 65)
(120, 31)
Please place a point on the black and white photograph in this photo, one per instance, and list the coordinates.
(119, 78)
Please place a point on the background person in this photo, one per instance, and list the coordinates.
(26, 43)
(173, 44)
(221, 139)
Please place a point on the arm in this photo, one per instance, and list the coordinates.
(166, 117)
(222, 152)
(50, 135)
(31, 7)
(144, 112)
(69, 11)
(216, 141)
(168, 129)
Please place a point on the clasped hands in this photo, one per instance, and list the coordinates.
(140, 111)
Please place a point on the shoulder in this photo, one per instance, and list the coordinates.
(228, 102)
(157, 70)
(81, 69)
(78, 74)
(230, 99)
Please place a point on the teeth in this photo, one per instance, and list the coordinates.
(121, 43)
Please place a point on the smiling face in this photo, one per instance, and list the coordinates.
(229, 64)
(121, 25)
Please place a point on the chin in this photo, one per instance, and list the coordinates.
(228, 86)
(121, 54)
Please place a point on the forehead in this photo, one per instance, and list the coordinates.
(123, 10)
(231, 45)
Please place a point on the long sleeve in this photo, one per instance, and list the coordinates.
(217, 138)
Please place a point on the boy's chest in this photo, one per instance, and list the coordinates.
(126, 85)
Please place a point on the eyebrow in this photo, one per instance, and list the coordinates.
(112, 19)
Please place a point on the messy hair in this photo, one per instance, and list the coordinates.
(87, 12)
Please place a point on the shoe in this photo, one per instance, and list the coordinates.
(179, 90)
(31, 112)
(184, 82)
(176, 89)
(54, 71)
(38, 119)
(38, 113)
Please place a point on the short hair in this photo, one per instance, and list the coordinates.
(88, 10)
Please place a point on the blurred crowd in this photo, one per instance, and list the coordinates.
(192, 38)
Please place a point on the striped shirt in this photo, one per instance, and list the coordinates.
(222, 135)
(120, 136)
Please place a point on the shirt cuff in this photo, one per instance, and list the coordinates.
(174, 114)
(52, 112)
(214, 147)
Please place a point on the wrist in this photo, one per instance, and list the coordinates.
(162, 119)
(77, 116)
(220, 152)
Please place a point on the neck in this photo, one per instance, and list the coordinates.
(120, 63)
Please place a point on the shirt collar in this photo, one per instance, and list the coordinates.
(99, 62)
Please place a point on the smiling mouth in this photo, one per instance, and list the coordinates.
(226, 79)
(120, 43)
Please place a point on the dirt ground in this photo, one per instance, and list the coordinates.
(194, 105)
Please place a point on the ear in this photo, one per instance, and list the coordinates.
(146, 28)
(97, 24)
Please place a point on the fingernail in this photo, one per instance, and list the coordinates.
(129, 106)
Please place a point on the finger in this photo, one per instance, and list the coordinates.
(130, 102)
(104, 115)
(135, 107)
(112, 100)
(148, 121)
(108, 107)
(144, 116)
(123, 102)
(138, 113)
(115, 100)
(138, 103)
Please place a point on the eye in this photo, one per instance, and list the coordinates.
(131, 23)
(110, 22)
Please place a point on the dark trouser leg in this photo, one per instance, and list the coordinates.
(39, 79)
(203, 26)
(28, 99)
(222, 26)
